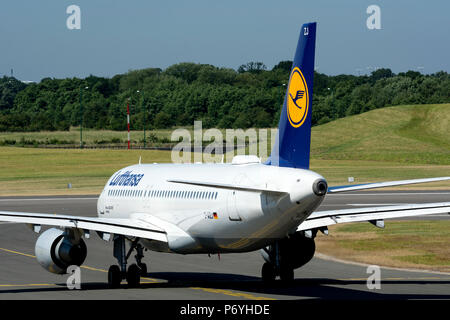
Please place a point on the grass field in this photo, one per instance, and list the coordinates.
(27, 171)
(410, 244)
(403, 134)
(387, 144)
(47, 171)
(395, 143)
(90, 136)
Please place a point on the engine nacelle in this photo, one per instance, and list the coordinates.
(56, 250)
(295, 251)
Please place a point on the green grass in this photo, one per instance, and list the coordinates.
(395, 143)
(49, 171)
(337, 172)
(90, 136)
(421, 243)
(417, 134)
(403, 134)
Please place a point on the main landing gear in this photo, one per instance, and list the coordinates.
(285, 255)
(117, 273)
(269, 272)
(277, 266)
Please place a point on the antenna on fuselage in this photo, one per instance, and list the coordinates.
(140, 158)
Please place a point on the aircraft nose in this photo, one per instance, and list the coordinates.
(320, 187)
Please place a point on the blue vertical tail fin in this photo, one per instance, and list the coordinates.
(292, 145)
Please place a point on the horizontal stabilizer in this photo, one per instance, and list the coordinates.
(325, 218)
(357, 187)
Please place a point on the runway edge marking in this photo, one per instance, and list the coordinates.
(219, 291)
(360, 264)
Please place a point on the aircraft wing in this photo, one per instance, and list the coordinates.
(127, 227)
(325, 218)
(357, 187)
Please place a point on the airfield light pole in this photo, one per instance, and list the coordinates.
(143, 109)
(81, 116)
(145, 120)
(283, 85)
(128, 122)
(333, 109)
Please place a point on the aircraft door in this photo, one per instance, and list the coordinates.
(232, 207)
(233, 213)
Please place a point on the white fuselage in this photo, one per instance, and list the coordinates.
(215, 219)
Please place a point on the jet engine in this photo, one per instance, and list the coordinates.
(57, 249)
(292, 252)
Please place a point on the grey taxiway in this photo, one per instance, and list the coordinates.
(233, 276)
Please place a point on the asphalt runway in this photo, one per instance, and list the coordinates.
(234, 276)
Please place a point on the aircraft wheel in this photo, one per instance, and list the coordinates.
(268, 272)
(143, 269)
(114, 276)
(287, 274)
(133, 276)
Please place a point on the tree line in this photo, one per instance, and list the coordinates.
(250, 96)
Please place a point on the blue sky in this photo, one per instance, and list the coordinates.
(117, 36)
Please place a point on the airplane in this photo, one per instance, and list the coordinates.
(217, 208)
